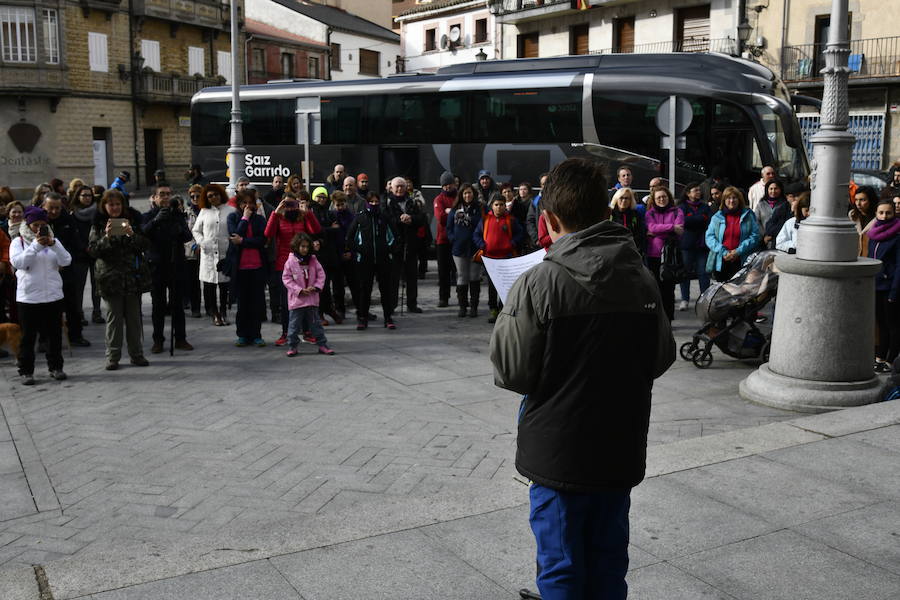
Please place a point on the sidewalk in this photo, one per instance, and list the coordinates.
(386, 471)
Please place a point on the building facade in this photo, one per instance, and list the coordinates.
(274, 53)
(91, 88)
(444, 33)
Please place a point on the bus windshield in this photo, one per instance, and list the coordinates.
(787, 160)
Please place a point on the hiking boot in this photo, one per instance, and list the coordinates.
(183, 345)
(112, 365)
(156, 348)
(59, 375)
(80, 342)
(140, 361)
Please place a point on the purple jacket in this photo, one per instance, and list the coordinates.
(660, 227)
(296, 277)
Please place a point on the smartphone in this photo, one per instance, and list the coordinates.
(117, 227)
(44, 231)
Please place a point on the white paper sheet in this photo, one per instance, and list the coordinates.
(504, 271)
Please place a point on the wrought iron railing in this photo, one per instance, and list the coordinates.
(725, 45)
(159, 86)
(513, 6)
(874, 57)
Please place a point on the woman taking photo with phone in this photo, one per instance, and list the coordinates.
(122, 274)
(37, 257)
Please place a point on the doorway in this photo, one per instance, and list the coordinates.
(102, 150)
(153, 153)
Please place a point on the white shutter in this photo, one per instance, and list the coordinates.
(196, 61)
(223, 60)
(150, 52)
(97, 54)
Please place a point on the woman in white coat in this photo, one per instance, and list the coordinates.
(211, 234)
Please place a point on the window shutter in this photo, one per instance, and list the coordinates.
(97, 55)
(196, 61)
(223, 61)
(150, 52)
(369, 62)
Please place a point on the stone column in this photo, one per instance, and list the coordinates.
(822, 347)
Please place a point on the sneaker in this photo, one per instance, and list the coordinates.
(683, 305)
(361, 325)
(59, 375)
(259, 342)
(282, 341)
(240, 342)
(414, 309)
(389, 323)
(112, 365)
(760, 318)
(183, 345)
(28, 379)
(156, 348)
(80, 342)
(308, 338)
(323, 349)
(292, 352)
(140, 361)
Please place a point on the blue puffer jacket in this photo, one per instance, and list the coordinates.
(888, 252)
(461, 225)
(715, 233)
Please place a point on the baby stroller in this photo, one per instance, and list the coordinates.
(729, 310)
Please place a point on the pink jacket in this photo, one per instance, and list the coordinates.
(661, 224)
(296, 277)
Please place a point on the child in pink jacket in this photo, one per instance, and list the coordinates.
(304, 278)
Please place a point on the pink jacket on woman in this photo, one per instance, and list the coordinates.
(296, 277)
(661, 223)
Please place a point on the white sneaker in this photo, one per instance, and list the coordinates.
(683, 305)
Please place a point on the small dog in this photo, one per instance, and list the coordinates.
(11, 337)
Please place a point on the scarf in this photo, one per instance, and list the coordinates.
(303, 260)
(462, 218)
(884, 230)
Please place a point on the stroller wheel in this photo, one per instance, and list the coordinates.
(702, 358)
(687, 350)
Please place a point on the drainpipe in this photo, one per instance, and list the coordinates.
(134, 75)
(328, 52)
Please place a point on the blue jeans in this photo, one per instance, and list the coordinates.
(582, 543)
(695, 262)
(305, 319)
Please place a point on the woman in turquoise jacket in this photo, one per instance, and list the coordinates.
(732, 235)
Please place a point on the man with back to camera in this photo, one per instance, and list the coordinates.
(583, 422)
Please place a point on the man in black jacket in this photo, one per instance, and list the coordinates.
(406, 216)
(372, 240)
(167, 230)
(66, 231)
(568, 338)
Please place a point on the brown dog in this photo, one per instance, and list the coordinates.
(11, 337)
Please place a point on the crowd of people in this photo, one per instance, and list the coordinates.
(291, 255)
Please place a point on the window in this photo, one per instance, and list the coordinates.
(335, 57)
(528, 45)
(287, 65)
(150, 52)
(265, 122)
(417, 118)
(17, 34)
(342, 120)
(223, 65)
(369, 62)
(196, 61)
(430, 39)
(312, 67)
(51, 36)
(259, 59)
(97, 52)
(578, 39)
(481, 35)
(528, 116)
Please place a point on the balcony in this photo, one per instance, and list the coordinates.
(172, 89)
(203, 13)
(724, 45)
(518, 11)
(33, 79)
(874, 58)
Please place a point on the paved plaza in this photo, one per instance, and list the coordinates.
(387, 471)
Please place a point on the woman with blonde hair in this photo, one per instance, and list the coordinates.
(211, 234)
(624, 212)
(733, 233)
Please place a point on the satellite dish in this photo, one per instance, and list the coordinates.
(444, 42)
(455, 34)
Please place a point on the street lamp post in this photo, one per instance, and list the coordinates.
(823, 336)
(236, 152)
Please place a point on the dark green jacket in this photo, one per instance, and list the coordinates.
(584, 335)
(121, 268)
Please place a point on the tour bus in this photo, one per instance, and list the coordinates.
(515, 118)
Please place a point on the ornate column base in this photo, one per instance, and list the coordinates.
(823, 338)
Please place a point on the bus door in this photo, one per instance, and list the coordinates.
(396, 161)
(309, 133)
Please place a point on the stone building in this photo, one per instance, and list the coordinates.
(93, 87)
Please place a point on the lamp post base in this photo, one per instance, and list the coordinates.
(808, 396)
